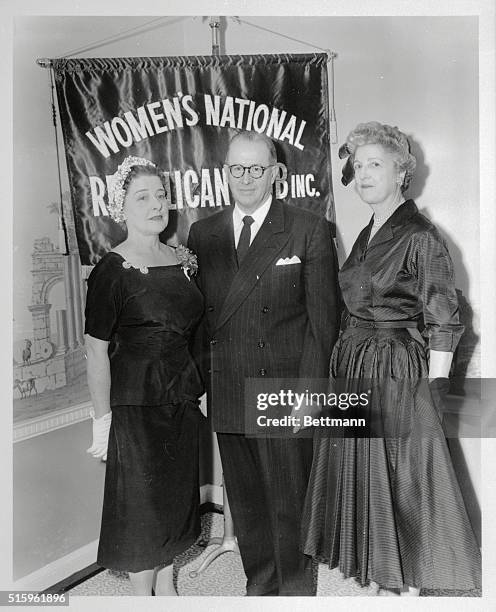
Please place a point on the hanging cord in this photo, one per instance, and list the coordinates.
(332, 113)
(331, 56)
(141, 29)
(63, 238)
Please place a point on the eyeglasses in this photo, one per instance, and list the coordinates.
(255, 171)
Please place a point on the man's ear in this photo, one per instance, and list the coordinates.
(274, 172)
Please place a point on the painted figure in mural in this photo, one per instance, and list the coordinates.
(140, 311)
(26, 352)
(25, 387)
(268, 274)
(389, 509)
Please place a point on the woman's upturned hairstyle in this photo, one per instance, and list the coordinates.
(387, 136)
(130, 168)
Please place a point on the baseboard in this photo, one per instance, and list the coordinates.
(58, 571)
(50, 422)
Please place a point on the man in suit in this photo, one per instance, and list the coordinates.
(269, 276)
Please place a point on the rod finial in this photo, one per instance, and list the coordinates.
(44, 62)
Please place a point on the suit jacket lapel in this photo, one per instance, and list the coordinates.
(269, 240)
(223, 253)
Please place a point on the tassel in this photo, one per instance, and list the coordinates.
(62, 233)
(333, 126)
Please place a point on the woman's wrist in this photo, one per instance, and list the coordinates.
(99, 415)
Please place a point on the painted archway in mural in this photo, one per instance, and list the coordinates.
(52, 360)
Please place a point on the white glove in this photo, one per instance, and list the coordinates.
(101, 428)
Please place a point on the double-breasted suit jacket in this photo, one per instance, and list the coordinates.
(276, 315)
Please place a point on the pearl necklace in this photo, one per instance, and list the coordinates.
(380, 220)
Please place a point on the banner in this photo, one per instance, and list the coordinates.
(180, 113)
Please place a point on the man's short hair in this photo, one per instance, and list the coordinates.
(256, 137)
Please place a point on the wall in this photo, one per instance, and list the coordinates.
(418, 73)
(57, 497)
(57, 501)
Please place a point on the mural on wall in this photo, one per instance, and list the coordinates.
(49, 362)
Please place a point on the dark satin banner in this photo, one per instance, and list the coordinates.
(180, 113)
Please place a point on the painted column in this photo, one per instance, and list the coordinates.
(75, 277)
(41, 329)
(61, 332)
(70, 307)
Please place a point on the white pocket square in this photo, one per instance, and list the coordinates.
(288, 261)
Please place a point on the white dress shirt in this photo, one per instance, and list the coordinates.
(258, 218)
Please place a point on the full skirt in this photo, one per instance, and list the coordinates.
(389, 509)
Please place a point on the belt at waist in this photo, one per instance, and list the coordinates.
(152, 346)
(356, 322)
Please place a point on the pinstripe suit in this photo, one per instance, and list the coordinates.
(275, 321)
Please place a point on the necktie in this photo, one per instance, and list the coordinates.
(244, 238)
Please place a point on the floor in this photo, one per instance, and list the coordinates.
(225, 576)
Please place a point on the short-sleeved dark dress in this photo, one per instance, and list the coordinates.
(151, 499)
(389, 509)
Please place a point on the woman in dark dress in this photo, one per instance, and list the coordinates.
(389, 509)
(141, 308)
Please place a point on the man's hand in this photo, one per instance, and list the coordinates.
(203, 404)
(299, 411)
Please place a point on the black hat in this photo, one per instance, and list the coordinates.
(348, 173)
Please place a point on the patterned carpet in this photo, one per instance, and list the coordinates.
(225, 576)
